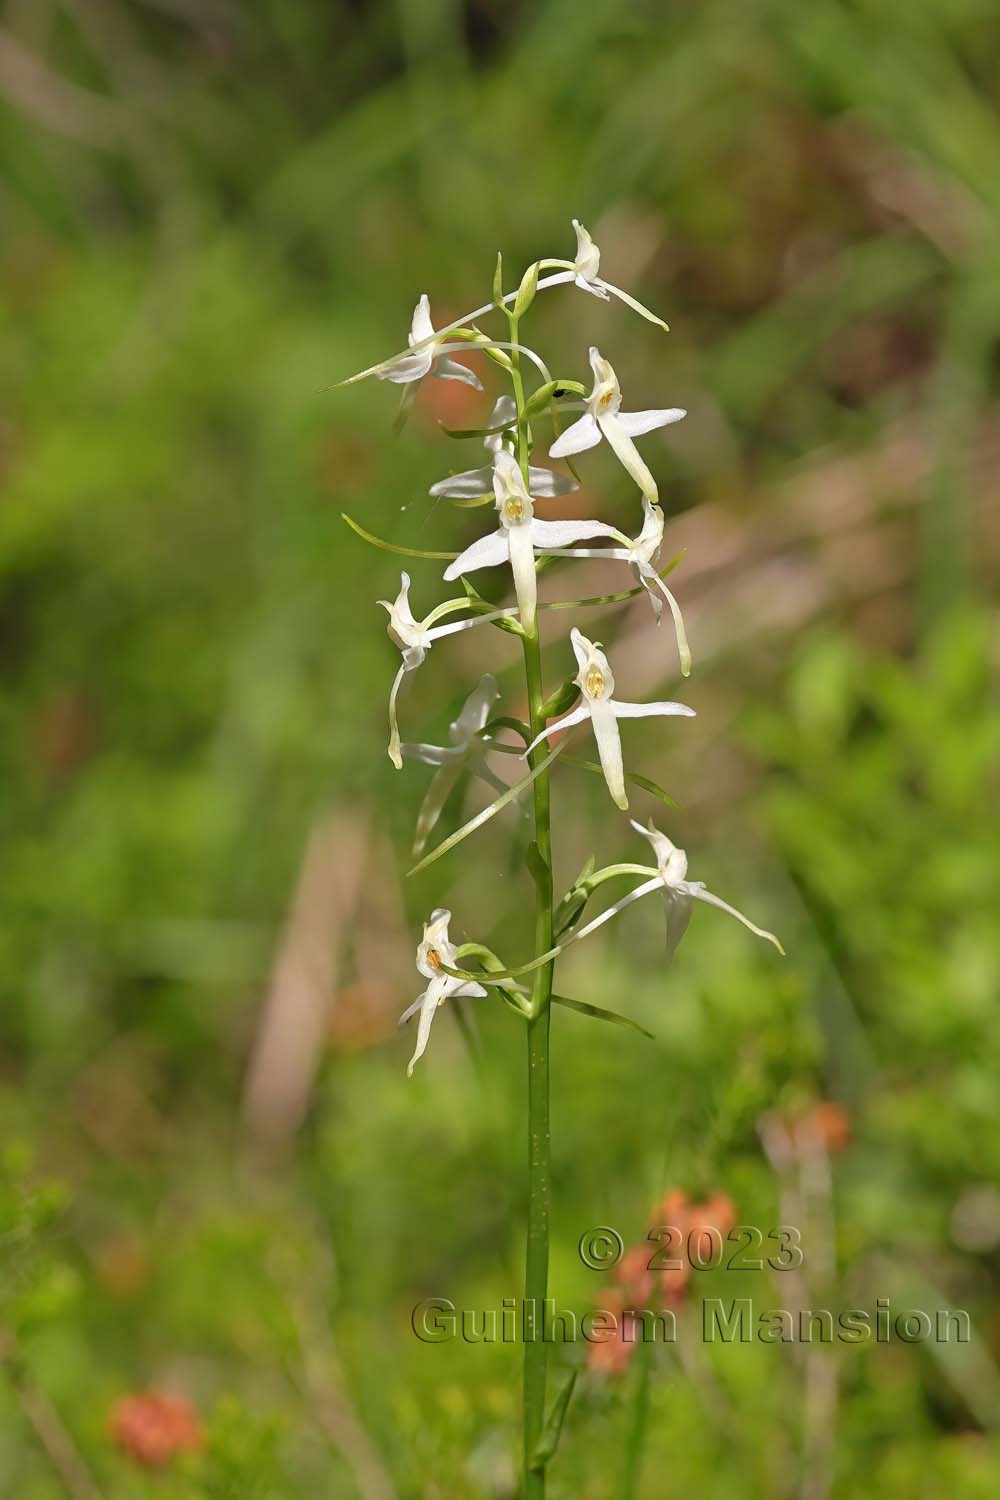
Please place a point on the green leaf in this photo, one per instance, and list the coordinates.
(598, 1013)
(376, 541)
(498, 281)
(485, 816)
(633, 776)
(549, 1440)
(526, 291)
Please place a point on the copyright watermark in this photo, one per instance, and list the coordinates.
(703, 1248)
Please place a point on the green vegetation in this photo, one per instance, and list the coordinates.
(213, 212)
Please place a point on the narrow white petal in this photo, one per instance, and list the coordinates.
(577, 438)
(469, 990)
(468, 485)
(698, 891)
(678, 907)
(450, 369)
(431, 755)
(609, 748)
(421, 327)
(476, 709)
(522, 563)
(683, 649)
(488, 552)
(433, 996)
(649, 710)
(636, 895)
(582, 648)
(635, 423)
(546, 485)
(411, 1010)
(562, 533)
(394, 754)
(569, 722)
(638, 307)
(628, 454)
(595, 288)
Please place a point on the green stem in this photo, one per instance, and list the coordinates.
(536, 1266)
(638, 1420)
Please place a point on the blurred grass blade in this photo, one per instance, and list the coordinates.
(485, 816)
(633, 776)
(598, 1013)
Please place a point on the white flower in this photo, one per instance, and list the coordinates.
(603, 417)
(430, 356)
(435, 949)
(670, 877)
(583, 272)
(679, 892)
(472, 483)
(466, 752)
(597, 684)
(415, 638)
(642, 553)
(517, 536)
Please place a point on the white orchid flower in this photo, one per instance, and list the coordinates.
(467, 751)
(642, 553)
(472, 483)
(583, 272)
(603, 417)
(679, 892)
(435, 949)
(517, 536)
(430, 356)
(597, 684)
(670, 877)
(415, 637)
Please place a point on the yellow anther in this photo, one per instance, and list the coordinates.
(594, 682)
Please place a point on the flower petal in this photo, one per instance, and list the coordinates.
(649, 710)
(469, 990)
(488, 552)
(577, 438)
(431, 755)
(652, 580)
(408, 367)
(433, 995)
(465, 486)
(569, 722)
(393, 747)
(635, 423)
(411, 1010)
(546, 485)
(476, 709)
(450, 369)
(437, 794)
(678, 907)
(609, 748)
(697, 890)
(636, 306)
(522, 563)
(562, 533)
(628, 454)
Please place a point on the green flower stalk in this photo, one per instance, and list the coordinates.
(522, 543)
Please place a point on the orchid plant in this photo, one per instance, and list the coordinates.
(525, 544)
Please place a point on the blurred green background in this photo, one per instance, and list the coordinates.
(216, 1178)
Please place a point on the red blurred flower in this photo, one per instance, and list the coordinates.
(154, 1426)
